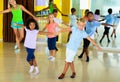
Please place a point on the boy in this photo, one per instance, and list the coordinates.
(109, 20)
(73, 45)
(90, 29)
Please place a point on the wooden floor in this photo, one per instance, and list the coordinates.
(103, 66)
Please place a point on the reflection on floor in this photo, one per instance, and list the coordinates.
(115, 43)
(103, 67)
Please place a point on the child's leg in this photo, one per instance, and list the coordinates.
(73, 70)
(67, 64)
(102, 38)
(72, 67)
(16, 37)
(84, 46)
(21, 31)
(30, 58)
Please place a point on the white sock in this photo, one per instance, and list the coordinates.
(31, 69)
(37, 70)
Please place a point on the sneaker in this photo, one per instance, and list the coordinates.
(17, 50)
(16, 46)
(80, 56)
(61, 76)
(73, 75)
(36, 73)
(108, 41)
(87, 60)
(52, 59)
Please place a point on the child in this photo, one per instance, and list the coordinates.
(30, 43)
(73, 45)
(51, 27)
(90, 29)
(97, 16)
(58, 21)
(51, 7)
(116, 22)
(109, 20)
(16, 10)
(85, 17)
(73, 20)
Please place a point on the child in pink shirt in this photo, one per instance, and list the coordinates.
(51, 27)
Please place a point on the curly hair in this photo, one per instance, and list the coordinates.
(31, 20)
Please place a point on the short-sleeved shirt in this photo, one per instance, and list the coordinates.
(30, 38)
(58, 21)
(117, 20)
(52, 29)
(73, 20)
(76, 38)
(91, 27)
(109, 19)
(97, 17)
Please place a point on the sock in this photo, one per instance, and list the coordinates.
(36, 68)
(31, 69)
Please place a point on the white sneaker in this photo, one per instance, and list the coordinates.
(31, 69)
(36, 73)
(52, 59)
(17, 50)
(16, 46)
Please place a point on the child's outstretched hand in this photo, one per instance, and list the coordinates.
(15, 24)
(100, 49)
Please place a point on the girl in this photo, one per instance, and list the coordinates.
(30, 43)
(16, 10)
(73, 46)
(51, 27)
(97, 16)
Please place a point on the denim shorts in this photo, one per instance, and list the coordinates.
(16, 27)
(51, 43)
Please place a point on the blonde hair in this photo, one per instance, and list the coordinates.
(49, 20)
(81, 20)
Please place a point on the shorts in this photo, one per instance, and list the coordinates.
(86, 43)
(16, 27)
(51, 43)
(57, 38)
(70, 55)
(30, 54)
(106, 32)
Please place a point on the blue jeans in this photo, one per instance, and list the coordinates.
(30, 55)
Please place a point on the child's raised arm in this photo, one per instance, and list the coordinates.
(5, 11)
(94, 43)
(20, 25)
(105, 24)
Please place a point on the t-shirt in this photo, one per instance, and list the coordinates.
(52, 29)
(57, 20)
(30, 38)
(109, 19)
(97, 17)
(91, 27)
(75, 38)
(73, 20)
(117, 20)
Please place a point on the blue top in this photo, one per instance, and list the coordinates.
(109, 19)
(76, 38)
(91, 27)
(117, 20)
